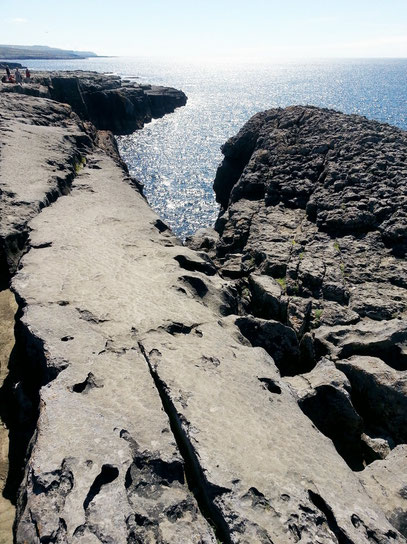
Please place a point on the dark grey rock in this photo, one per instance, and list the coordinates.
(277, 339)
(108, 102)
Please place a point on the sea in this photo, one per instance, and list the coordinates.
(176, 157)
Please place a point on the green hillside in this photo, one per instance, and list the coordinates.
(41, 52)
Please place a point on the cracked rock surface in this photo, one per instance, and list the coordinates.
(312, 234)
(41, 142)
(158, 421)
(246, 391)
(104, 464)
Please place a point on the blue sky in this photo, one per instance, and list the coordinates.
(224, 28)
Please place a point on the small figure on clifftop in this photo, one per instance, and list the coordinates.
(18, 77)
(27, 74)
(8, 71)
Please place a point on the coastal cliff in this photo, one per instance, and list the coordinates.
(221, 392)
(106, 100)
(47, 166)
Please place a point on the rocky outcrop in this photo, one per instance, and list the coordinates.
(60, 135)
(11, 65)
(140, 325)
(313, 235)
(242, 391)
(110, 103)
(142, 412)
(43, 145)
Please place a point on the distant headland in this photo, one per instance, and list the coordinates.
(35, 52)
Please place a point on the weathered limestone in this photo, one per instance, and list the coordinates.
(104, 460)
(155, 418)
(109, 102)
(385, 481)
(137, 326)
(312, 233)
(55, 140)
(42, 145)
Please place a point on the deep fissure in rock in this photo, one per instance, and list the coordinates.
(203, 491)
(334, 418)
(319, 502)
(19, 399)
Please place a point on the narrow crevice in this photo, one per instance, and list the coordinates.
(205, 266)
(334, 416)
(319, 503)
(19, 398)
(204, 492)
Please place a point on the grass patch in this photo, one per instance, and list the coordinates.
(79, 164)
(317, 317)
(318, 314)
(282, 283)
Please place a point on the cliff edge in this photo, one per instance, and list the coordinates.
(106, 100)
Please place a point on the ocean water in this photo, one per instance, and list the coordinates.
(176, 157)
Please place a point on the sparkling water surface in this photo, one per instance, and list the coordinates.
(176, 157)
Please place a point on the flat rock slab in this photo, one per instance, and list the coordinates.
(150, 388)
(40, 147)
(104, 461)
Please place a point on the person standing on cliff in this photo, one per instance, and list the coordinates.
(18, 77)
(8, 71)
(27, 75)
